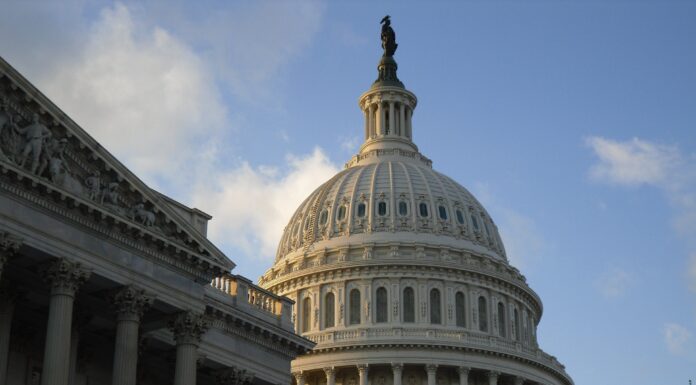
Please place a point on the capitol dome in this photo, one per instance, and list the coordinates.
(398, 273)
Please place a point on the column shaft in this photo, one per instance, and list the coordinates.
(432, 371)
(299, 377)
(379, 116)
(402, 120)
(493, 378)
(57, 350)
(463, 376)
(397, 373)
(330, 376)
(362, 371)
(6, 313)
(409, 117)
(186, 357)
(367, 122)
(74, 345)
(392, 119)
(126, 352)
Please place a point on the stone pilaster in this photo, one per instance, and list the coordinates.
(64, 278)
(397, 373)
(431, 369)
(188, 328)
(330, 376)
(9, 245)
(299, 378)
(233, 376)
(130, 304)
(463, 375)
(493, 377)
(519, 380)
(8, 296)
(362, 371)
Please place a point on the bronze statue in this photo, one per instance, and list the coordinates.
(388, 37)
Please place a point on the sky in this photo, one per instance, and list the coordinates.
(573, 122)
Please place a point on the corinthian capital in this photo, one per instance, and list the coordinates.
(65, 277)
(9, 244)
(131, 302)
(188, 328)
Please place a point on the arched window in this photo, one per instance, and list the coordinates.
(382, 208)
(482, 314)
(423, 208)
(329, 310)
(435, 313)
(354, 307)
(460, 217)
(381, 305)
(341, 213)
(361, 210)
(443, 212)
(403, 208)
(306, 314)
(501, 319)
(460, 309)
(517, 325)
(474, 221)
(409, 305)
(323, 217)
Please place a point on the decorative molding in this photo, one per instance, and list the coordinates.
(131, 302)
(65, 277)
(189, 327)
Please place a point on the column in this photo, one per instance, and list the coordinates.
(373, 120)
(519, 380)
(392, 130)
(402, 119)
(397, 371)
(330, 376)
(188, 328)
(379, 116)
(493, 377)
(366, 112)
(409, 116)
(65, 278)
(9, 245)
(432, 371)
(7, 304)
(299, 378)
(463, 375)
(362, 371)
(130, 304)
(80, 321)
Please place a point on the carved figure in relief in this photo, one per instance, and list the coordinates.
(142, 215)
(94, 185)
(110, 194)
(35, 135)
(6, 137)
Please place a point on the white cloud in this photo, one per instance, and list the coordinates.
(140, 92)
(677, 338)
(252, 205)
(640, 162)
(632, 162)
(350, 144)
(614, 283)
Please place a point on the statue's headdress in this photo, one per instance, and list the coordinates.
(385, 19)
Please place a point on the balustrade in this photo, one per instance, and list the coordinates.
(245, 293)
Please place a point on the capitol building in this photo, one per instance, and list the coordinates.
(398, 273)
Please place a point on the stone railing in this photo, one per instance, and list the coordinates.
(327, 339)
(244, 294)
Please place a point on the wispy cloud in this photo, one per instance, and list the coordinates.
(677, 338)
(614, 283)
(638, 162)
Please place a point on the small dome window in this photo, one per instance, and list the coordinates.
(341, 213)
(474, 221)
(443, 212)
(382, 208)
(403, 208)
(324, 217)
(460, 217)
(361, 210)
(423, 208)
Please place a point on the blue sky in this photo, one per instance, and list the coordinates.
(573, 122)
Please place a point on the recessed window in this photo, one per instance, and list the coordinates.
(354, 316)
(435, 313)
(382, 208)
(443, 212)
(460, 217)
(409, 305)
(324, 217)
(306, 314)
(341, 213)
(482, 314)
(423, 208)
(329, 312)
(460, 309)
(381, 305)
(403, 208)
(361, 210)
(474, 222)
(501, 319)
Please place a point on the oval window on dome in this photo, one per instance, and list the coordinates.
(341, 213)
(323, 217)
(361, 210)
(460, 217)
(443, 212)
(423, 208)
(403, 208)
(382, 208)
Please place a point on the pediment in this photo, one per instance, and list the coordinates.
(45, 155)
